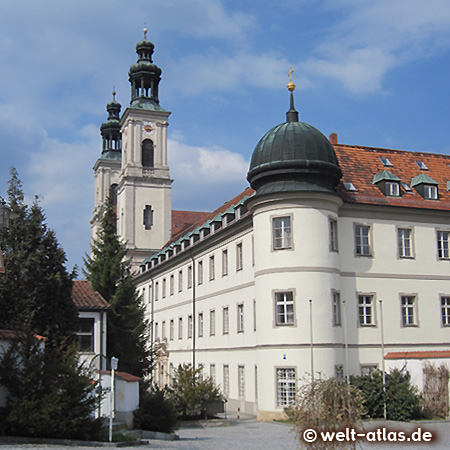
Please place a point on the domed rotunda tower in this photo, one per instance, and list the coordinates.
(294, 171)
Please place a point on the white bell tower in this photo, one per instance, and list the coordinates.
(143, 185)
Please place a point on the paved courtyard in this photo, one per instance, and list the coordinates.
(252, 435)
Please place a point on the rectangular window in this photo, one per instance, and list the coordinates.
(241, 381)
(212, 322)
(333, 236)
(445, 311)
(281, 227)
(368, 370)
(148, 217)
(85, 334)
(362, 240)
(211, 268)
(392, 189)
(172, 329)
(189, 277)
(180, 328)
(336, 309)
(190, 326)
(212, 373)
(442, 243)
(286, 386)
(239, 260)
(172, 284)
(157, 291)
(404, 243)
(430, 192)
(254, 315)
(156, 330)
(200, 324)
(180, 281)
(224, 262)
(365, 310)
(240, 318)
(225, 321)
(284, 308)
(163, 330)
(200, 272)
(164, 285)
(408, 313)
(226, 380)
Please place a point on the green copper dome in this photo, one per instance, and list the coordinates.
(292, 157)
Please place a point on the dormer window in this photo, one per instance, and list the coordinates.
(392, 189)
(430, 192)
(385, 162)
(426, 186)
(388, 183)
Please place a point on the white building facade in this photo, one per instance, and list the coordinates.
(333, 251)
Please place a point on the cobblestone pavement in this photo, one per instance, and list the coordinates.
(252, 435)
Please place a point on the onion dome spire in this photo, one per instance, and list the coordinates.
(110, 130)
(144, 77)
(293, 157)
(292, 114)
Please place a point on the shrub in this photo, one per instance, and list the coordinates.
(156, 411)
(191, 391)
(403, 401)
(325, 405)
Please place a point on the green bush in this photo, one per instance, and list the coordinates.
(156, 411)
(192, 391)
(403, 401)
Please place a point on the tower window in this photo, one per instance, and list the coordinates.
(148, 153)
(148, 217)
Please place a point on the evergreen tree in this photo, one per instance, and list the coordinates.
(109, 272)
(49, 394)
(36, 288)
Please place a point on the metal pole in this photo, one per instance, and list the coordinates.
(347, 376)
(382, 358)
(114, 362)
(311, 339)
(152, 324)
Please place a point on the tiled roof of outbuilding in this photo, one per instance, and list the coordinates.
(85, 298)
(360, 164)
(429, 354)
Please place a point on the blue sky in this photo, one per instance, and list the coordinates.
(374, 72)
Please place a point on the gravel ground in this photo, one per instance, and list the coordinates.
(252, 435)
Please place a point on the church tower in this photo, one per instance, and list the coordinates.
(142, 187)
(108, 166)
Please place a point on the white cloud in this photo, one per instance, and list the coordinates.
(375, 37)
(204, 166)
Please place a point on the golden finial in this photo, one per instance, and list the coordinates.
(145, 30)
(291, 85)
(114, 93)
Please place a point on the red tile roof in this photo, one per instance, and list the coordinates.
(85, 298)
(431, 354)
(360, 164)
(181, 220)
(208, 216)
(9, 335)
(122, 376)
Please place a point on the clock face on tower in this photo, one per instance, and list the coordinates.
(148, 128)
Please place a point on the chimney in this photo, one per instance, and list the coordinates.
(333, 138)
